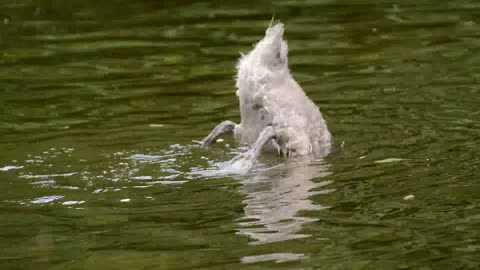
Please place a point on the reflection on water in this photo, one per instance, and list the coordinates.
(276, 257)
(275, 198)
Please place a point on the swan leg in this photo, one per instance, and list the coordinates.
(222, 128)
(267, 134)
(244, 162)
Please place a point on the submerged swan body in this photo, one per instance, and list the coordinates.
(276, 115)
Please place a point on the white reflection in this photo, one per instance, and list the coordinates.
(276, 196)
(276, 257)
(46, 199)
(8, 168)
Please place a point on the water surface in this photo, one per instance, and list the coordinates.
(100, 102)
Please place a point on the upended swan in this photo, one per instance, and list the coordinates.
(276, 115)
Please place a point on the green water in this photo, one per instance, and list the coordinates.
(100, 102)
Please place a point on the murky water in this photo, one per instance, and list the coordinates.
(100, 102)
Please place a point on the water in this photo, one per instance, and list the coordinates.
(100, 102)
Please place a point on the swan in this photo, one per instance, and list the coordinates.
(276, 114)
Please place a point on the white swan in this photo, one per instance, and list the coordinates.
(276, 115)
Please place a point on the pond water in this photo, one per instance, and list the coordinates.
(100, 102)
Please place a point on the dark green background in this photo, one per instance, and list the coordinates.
(99, 102)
